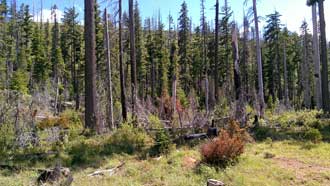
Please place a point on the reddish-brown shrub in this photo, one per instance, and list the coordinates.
(223, 150)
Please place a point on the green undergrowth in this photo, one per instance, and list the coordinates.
(183, 166)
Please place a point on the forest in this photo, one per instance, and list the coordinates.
(123, 99)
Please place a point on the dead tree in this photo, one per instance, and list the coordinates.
(133, 57)
(108, 66)
(122, 74)
(240, 105)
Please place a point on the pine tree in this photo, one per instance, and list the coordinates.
(183, 44)
(41, 67)
(99, 40)
(225, 42)
(272, 65)
(71, 39)
(140, 51)
(57, 61)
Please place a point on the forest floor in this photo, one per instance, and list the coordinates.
(266, 163)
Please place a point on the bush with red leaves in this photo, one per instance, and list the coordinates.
(223, 150)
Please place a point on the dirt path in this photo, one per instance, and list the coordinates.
(304, 172)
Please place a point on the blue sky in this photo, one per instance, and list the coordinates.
(293, 11)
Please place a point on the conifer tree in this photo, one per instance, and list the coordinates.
(183, 44)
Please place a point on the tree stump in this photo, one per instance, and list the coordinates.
(212, 182)
(58, 175)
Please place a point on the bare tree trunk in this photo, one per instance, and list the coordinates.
(204, 57)
(245, 59)
(324, 60)
(153, 78)
(259, 62)
(316, 58)
(305, 75)
(91, 115)
(56, 107)
(174, 94)
(108, 65)
(216, 56)
(122, 74)
(133, 58)
(286, 89)
(240, 108)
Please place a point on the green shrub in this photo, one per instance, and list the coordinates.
(19, 82)
(85, 151)
(182, 98)
(155, 122)
(313, 135)
(7, 138)
(262, 133)
(128, 139)
(295, 118)
(308, 145)
(163, 143)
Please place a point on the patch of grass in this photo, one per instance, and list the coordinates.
(171, 169)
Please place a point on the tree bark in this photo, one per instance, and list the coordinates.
(204, 57)
(259, 62)
(108, 66)
(305, 73)
(174, 84)
(324, 60)
(91, 115)
(122, 74)
(316, 58)
(133, 57)
(216, 56)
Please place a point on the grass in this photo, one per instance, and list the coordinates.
(291, 160)
(178, 169)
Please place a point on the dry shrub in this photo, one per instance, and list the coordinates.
(234, 129)
(68, 119)
(226, 148)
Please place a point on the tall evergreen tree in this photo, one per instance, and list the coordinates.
(71, 39)
(183, 44)
(57, 60)
(273, 67)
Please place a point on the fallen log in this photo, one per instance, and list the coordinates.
(195, 136)
(107, 171)
(212, 182)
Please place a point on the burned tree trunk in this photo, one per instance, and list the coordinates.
(240, 102)
(121, 67)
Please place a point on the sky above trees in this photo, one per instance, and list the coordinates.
(293, 11)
